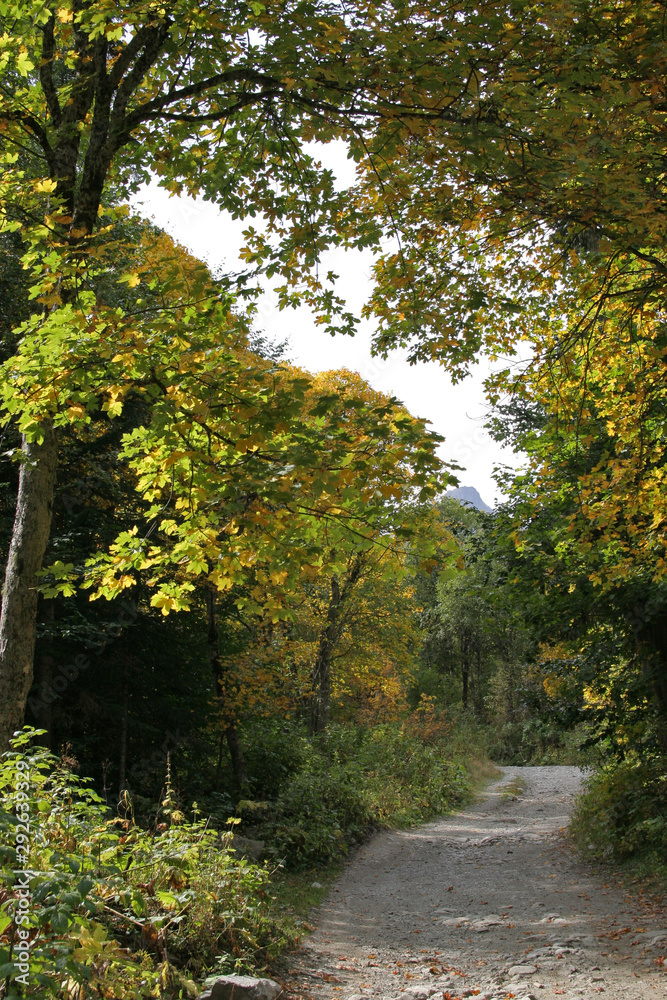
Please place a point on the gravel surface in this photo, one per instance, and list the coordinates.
(491, 903)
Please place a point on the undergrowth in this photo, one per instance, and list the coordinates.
(622, 815)
(539, 741)
(111, 907)
(108, 908)
(352, 780)
(513, 790)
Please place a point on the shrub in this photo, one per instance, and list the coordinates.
(623, 812)
(111, 908)
(353, 780)
(541, 741)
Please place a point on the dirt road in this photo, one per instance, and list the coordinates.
(490, 903)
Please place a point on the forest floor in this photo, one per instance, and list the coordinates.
(490, 902)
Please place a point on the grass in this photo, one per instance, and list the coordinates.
(295, 894)
(513, 790)
(481, 771)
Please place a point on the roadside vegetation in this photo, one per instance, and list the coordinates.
(128, 909)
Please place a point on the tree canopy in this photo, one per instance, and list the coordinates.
(510, 185)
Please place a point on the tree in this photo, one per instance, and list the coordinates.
(587, 514)
(348, 649)
(540, 150)
(218, 100)
(460, 158)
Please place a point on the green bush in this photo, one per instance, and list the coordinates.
(353, 780)
(274, 750)
(541, 741)
(623, 812)
(115, 909)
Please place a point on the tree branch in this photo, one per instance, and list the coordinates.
(46, 72)
(28, 123)
(133, 48)
(649, 259)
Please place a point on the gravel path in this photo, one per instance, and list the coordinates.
(489, 903)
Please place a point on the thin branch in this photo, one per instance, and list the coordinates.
(28, 123)
(217, 116)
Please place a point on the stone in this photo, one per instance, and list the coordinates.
(247, 847)
(241, 988)
(419, 992)
(316, 885)
(523, 970)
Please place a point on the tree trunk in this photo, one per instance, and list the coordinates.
(236, 753)
(320, 706)
(42, 705)
(40, 699)
(18, 619)
(122, 756)
(465, 675)
(652, 643)
(217, 669)
(478, 690)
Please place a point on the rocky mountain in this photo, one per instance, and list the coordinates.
(469, 495)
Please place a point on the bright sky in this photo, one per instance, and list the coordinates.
(455, 411)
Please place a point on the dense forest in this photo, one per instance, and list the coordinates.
(242, 624)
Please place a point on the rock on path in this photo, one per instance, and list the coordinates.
(489, 903)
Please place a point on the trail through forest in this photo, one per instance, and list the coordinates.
(490, 902)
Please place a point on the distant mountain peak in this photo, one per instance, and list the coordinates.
(469, 496)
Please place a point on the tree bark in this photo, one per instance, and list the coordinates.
(320, 707)
(40, 701)
(43, 703)
(478, 690)
(217, 669)
(18, 618)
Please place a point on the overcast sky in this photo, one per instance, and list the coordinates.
(455, 411)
